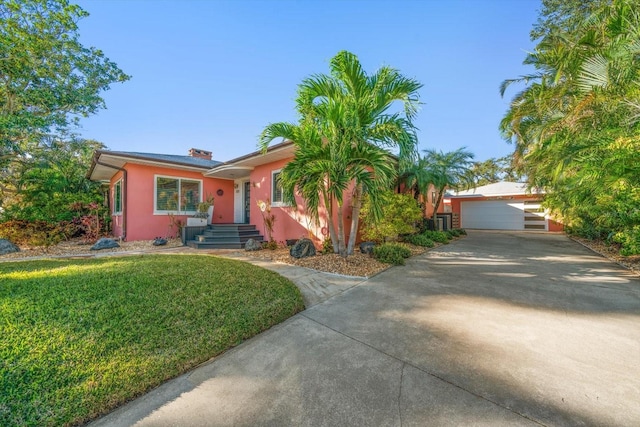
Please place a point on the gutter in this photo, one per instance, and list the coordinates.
(96, 160)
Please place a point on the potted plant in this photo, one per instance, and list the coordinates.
(204, 213)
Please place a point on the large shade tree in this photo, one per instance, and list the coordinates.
(575, 124)
(48, 81)
(349, 123)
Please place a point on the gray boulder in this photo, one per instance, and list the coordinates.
(6, 247)
(159, 241)
(252, 245)
(105, 243)
(367, 247)
(302, 249)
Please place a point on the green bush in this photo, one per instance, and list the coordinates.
(453, 232)
(629, 241)
(437, 236)
(400, 214)
(391, 253)
(419, 240)
(462, 231)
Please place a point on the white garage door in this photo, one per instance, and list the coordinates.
(502, 215)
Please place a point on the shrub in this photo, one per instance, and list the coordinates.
(419, 240)
(629, 241)
(437, 236)
(453, 232)
(327, 245)
(400, 213)
(391, 253)
(38, 233)
(271, 245)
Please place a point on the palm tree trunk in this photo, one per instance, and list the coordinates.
(332, 228)
(342, 250)
(355, 218)
(437, 205)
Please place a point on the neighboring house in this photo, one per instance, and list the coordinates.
(500, 206)
(147, 192)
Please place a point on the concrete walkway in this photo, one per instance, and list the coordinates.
(494, 329)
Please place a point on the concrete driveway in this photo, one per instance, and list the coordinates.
(494, 329)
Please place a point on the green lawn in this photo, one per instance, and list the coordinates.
(80, 337)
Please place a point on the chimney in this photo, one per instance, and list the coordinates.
(201, 154)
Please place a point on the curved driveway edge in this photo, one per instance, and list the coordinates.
(493, 329)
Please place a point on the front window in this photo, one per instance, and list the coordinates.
(117, 198)
(277, 195)
(177, 195)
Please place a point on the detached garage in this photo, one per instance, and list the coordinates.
(500, 206)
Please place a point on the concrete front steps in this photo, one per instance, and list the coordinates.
(225, 236)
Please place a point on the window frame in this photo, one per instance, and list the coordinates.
(276, 203)
(178, 211)
(117, 196)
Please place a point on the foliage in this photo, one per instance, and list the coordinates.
(49, 79)
(448, 170)
(391, 253)
(327, 246)
(175, 226)
(342, 139)
(203, 207)
(437, 236)
(268, 218)
(400, 213)
(629, 240)
(494, 170)
(575, 125)
(45, 183)
(454, 232)
(79, 337)
(419, 240)
(38, 233)
(271, 245)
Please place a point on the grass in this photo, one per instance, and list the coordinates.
(80, 337)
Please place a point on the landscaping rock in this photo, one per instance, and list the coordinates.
(159, 241)
(6, 247)
(367, 247)
(252, 245)
(302, 249)
(105, 243)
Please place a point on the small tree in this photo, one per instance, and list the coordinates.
(400, 213)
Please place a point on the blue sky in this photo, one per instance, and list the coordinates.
(213, 74)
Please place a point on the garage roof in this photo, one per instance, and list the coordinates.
(502, 188)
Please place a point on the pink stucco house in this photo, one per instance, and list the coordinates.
(147, 192)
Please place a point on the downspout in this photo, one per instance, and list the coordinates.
(124, 194)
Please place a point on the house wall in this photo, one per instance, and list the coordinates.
(141, 222)
(292, 222)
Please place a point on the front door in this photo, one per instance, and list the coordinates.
(247, 202)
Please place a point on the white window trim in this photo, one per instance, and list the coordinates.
(274, 204)
(115, 212)
(179, 178)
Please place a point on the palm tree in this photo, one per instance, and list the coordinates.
(343, 140)
(448, 170)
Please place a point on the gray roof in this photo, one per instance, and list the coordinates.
(168, 158)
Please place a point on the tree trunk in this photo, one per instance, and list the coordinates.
(356, 200)
(332, 228)
(342, 250)
(437, 205)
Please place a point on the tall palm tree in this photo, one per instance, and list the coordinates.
(345, 132)
(450, 170)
